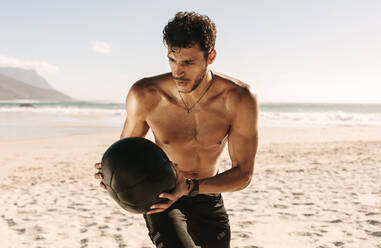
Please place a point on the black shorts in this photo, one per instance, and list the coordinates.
(199, 221)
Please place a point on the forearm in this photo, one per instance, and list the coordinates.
(233, 179)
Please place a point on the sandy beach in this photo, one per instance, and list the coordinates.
(315, 187)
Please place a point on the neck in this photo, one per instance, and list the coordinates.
(198, 93)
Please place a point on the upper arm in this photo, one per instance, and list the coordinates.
(243, 136)
(135, 124)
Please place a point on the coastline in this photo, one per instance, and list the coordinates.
(311, 187)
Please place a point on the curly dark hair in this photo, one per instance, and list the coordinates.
(189, 28)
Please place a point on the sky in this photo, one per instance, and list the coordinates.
(288, 51)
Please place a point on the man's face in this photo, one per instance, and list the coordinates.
(188, 66)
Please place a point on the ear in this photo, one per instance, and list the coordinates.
(212, 56)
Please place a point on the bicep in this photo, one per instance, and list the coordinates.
(243, 136)
(135, 124)
(134, 128)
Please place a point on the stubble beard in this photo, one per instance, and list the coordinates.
(197, 81)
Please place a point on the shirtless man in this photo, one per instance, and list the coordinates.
(193, 112)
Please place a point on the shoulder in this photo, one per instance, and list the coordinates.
(237, 94)
(148, 89)
(144, 95)
(149, 85)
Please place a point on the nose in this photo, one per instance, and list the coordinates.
(178, 71)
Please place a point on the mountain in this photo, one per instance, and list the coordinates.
(25, 76)
(12, 89)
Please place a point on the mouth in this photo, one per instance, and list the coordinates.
(181, 83)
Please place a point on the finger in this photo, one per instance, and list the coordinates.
(160, 206)
(98, 175)
(168, 196)
(103, 185)
(154, 211)
(163, 205)
(98, 165)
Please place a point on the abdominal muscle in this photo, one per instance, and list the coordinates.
(195, 163)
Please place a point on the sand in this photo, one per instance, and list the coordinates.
(316, 187)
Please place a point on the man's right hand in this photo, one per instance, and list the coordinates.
(99, 174)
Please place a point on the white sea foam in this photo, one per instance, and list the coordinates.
(305, 119)
(282, 115)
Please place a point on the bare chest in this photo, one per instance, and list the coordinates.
(204, 126)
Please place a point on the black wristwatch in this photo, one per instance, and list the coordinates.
(194, 191)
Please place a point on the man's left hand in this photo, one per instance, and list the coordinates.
(180, 190)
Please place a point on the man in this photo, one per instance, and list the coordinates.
(193, 112)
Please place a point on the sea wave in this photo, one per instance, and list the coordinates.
(304, 119)
(291, 115)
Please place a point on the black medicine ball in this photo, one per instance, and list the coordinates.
(136, 171)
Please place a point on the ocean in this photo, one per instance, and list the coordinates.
(45, 119)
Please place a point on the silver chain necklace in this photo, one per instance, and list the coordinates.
(194, 104)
